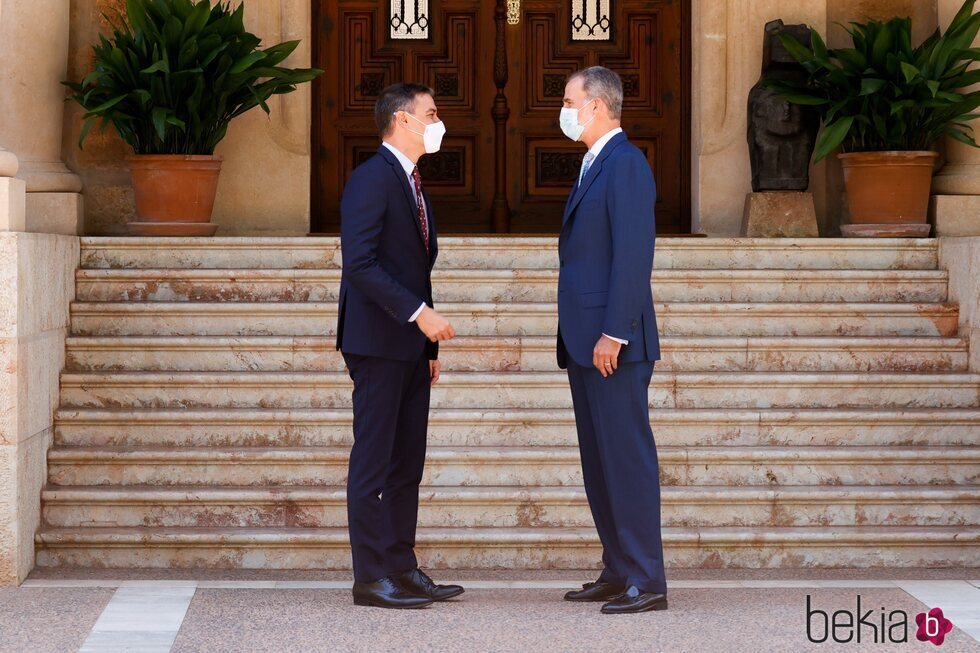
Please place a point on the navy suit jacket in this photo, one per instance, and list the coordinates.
(387, 272)
(606, 257)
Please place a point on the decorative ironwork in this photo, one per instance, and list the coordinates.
(513, 12)
(372, 84)
(446, 85)
(590, 20)
(409, 19)
(554, 85)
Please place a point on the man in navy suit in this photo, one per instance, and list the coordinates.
(389, 335)
(607, 340)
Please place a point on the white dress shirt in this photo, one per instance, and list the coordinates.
(594, 150)
(408, 167)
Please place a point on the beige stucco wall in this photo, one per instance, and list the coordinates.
(265, 184)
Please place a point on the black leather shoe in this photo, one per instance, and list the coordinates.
(388, 593)
(600, 590)
(635, 600)
(417, 582)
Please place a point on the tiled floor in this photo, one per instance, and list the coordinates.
(711, 610)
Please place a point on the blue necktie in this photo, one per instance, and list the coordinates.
(586, 163)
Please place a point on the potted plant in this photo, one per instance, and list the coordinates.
(885, 103)
(170, 80)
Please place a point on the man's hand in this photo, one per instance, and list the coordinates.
(434, 326)
(605, 356)
(434, 371)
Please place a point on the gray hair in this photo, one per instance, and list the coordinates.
(395, 98)
(600, 82)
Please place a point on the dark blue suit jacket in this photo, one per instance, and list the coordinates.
(386, 274)
(606, 256)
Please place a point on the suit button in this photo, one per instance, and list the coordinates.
(562, 264)
(634, 324)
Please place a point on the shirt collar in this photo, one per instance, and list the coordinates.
(402, 159)
(599, 144)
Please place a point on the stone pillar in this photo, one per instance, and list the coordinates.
(33, 62)
(955, 207)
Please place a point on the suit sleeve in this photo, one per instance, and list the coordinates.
(632, 194)
(362, 211)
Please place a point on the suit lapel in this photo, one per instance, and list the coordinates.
(399, 172)
(579, 192)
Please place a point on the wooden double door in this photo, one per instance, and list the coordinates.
(498, 69)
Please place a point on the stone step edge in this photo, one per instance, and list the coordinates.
(463, 416)
(534, 343)
(142, 537)
(508, 242)
(451, 275)
(562, 455)
(550, 309)
(298, 378)
(185, 495)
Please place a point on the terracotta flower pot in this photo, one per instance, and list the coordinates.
(888, 193)
(174, 194)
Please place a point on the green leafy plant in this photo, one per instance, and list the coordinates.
(883, 94)
(176, 72)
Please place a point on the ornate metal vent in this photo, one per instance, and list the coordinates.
(590, 20)
(409, 19)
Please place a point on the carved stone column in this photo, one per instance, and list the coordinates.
(33, 61)
(956, 189)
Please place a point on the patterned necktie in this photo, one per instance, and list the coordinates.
(586, 163)
(417, 178)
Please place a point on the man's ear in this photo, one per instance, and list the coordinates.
(601, 108)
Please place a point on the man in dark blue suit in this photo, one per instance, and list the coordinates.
(607, 340)
(389, 335)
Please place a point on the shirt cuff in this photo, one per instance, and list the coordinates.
(619, 340)
(417, 313)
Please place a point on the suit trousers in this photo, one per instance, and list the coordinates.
(619, 463)
(391, 415)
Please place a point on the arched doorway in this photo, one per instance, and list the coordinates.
(499, 69)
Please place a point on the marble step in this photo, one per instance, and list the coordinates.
(507, 507)
(518, 466)
(507, 286)
(681, 319)
(528, 354)
(501, 390)
(516, 548)
(309, 427)
(514, 252)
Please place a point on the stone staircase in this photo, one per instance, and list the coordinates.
(813, 408)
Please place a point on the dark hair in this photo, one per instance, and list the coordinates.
(397, 97)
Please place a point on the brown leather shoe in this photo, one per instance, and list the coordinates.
(598, 591)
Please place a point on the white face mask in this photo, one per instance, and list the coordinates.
(569, 121)
(431, 136)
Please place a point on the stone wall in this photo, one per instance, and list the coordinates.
(37, 273)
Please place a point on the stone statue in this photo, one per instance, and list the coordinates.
(781, 134)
